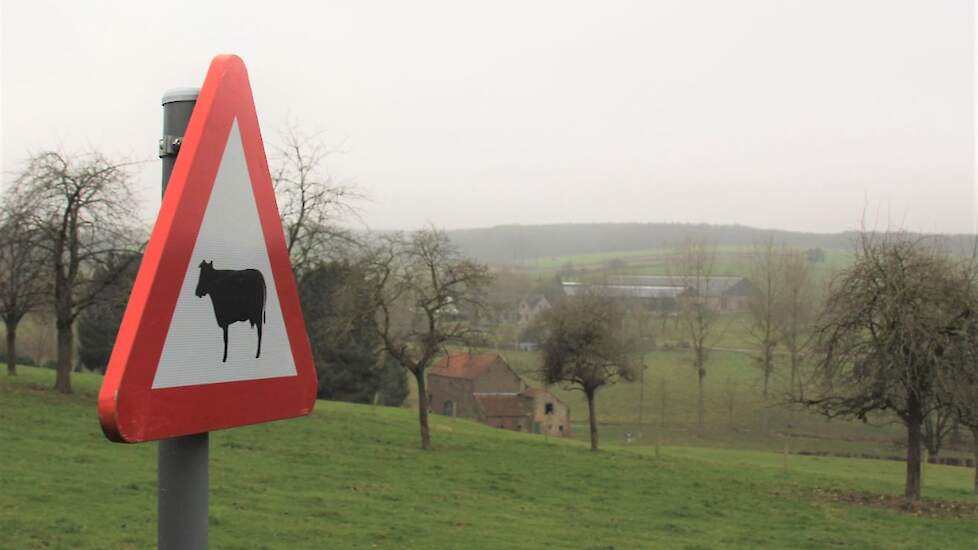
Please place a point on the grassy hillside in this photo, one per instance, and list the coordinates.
(509, 243)
(734, 411)
(731, 260)
(514, 243)
(352, 477)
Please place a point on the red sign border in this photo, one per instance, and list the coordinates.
(129, 409)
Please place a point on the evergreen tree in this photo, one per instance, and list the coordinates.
(344, 344)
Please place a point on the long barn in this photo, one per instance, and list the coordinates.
(662, 292)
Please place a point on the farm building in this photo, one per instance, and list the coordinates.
(548, 414)
(484, 387)
(530, 307)
(662, 292)
(512, 307)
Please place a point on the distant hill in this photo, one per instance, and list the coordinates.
(510, 243)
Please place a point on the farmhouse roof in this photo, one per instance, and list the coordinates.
(464, 365)
(497, 405)
(662, 286)
(711, 286)
(626, 290)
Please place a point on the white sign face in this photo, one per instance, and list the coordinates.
(227, 325)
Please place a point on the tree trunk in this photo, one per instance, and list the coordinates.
(764, 393)
(914, 441)
(11, 348)
(66, 345)
(423, 410)
(794, 367)
(974, 445)
(592, 419)
(767, 379)
(701, 374)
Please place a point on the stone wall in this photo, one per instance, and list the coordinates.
(557, 422)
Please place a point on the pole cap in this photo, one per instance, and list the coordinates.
(174, 95)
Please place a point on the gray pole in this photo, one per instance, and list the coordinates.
(182, 500)
(178, 103)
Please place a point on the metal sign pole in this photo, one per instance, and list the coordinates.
(183, 483)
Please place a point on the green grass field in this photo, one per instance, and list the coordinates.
(352, 477)
(730, 260)
(734, 410)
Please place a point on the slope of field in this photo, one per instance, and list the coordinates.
(660, 408)
(510, 243)
(730, 260)
(514, 243)
(352, 477)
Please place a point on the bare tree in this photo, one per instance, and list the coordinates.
(582, 349)
(795, 312)
(311, 201)
(960, 385)
(662, 392)
(83, 210)
(880, 341)
(763, 303)
(426, 294)
(22, 277)
(692, 267)
(730, 399)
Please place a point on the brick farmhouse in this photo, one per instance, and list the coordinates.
(484, 387)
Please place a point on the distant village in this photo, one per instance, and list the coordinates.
(485, 388)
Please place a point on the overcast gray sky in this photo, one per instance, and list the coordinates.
(771, 113)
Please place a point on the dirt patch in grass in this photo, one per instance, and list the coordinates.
(932, 507)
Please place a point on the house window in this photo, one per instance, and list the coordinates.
(548, 408)
(561, 428)
(448, 409)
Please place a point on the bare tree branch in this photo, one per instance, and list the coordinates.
(312, 203)
(82, 208)
(692, 266)
(427, 296)
(882, 339)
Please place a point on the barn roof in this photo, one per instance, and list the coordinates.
(495, 405)
(711, 286)
(625, 291)
(464, 365)
(661, 286)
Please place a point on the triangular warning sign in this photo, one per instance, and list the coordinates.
(213, 335)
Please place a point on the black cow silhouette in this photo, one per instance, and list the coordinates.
(236, 296)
